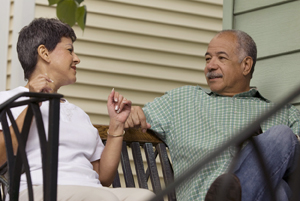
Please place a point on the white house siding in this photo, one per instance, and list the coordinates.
(274, 25)
(20, 14)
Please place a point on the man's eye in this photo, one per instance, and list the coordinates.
(207, 59)
(70, 50)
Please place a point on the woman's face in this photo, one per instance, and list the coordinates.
(63, 63)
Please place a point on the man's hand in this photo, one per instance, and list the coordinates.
(137, 119)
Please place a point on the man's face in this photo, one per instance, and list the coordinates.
(223, 69)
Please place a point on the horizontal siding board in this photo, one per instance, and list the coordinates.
(271, 37)
(89, 106)
(246, 5)
(99, 119)
(142, 69)
(11, 23)
(8, 82)
(9, 67)
(103, 20)
(277, 77)
(119, 24)
(92, 92)
(209, 8)
(142, 41)
(153, 15)
(138, 54)
(128, 82)
(216, 2)
(43, 10)
(193, 7)
(150, 28)
(144, 14)
(9, 52)
(10, 37)
(11, 8)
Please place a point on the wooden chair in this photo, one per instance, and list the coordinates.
(152, 146)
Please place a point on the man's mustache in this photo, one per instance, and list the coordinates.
(212, 75)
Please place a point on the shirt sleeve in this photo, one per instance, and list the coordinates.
(99, 144)
(294, 120)
(159, 115)
(98, 149)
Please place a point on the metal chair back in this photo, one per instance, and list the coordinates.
(17, 164)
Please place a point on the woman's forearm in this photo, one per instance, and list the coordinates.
(110, 157)
(19, 122)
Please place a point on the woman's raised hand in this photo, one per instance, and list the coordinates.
(118, 108)
(40, 84)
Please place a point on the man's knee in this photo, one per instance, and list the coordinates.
(279, 134)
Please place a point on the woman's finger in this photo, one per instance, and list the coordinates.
(116, 97)
(110, 99)
(125, 105)
(118, 107)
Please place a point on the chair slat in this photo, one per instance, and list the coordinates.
(8, 143)
(148, 147)
(116, 183)
(166, 168)
(139, 165)
(126, 167)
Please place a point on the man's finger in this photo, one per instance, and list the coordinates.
(129, 122)
(142, 119)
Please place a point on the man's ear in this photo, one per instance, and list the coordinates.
(247, 65)
(43, 53)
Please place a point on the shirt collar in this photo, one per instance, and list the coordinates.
(253, 92)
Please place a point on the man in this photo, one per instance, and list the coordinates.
(193, 122)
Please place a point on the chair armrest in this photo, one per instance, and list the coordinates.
(131, 135)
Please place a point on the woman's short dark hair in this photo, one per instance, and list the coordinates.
(41, 31)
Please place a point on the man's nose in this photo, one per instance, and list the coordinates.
(212, 65)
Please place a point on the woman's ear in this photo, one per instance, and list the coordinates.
(247, 65)
(43, 53)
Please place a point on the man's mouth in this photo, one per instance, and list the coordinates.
(213, 75)
(73, 67)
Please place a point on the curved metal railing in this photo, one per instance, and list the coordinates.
(49, 148)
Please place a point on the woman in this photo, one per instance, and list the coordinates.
(46, 52)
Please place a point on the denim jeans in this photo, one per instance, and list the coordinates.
(280, 149)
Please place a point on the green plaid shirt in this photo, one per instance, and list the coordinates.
(193, 123)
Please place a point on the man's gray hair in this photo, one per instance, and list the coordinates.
(246, 46)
